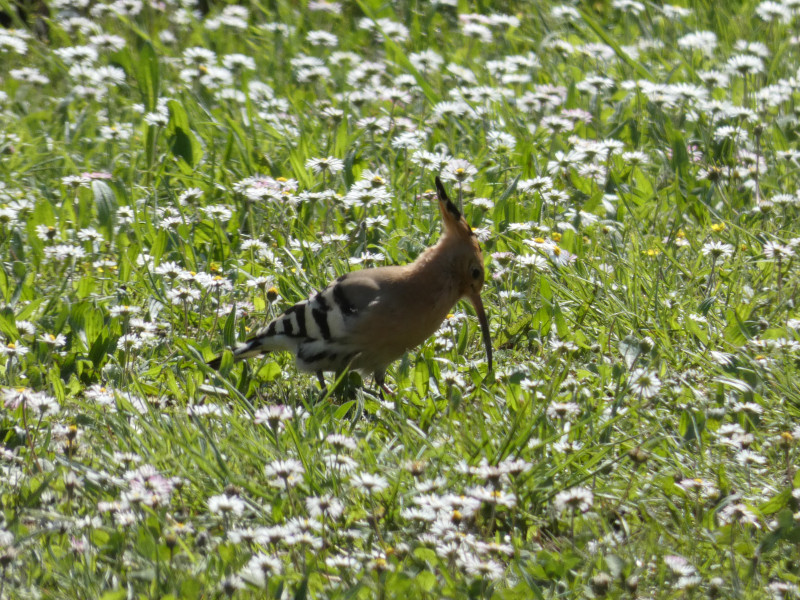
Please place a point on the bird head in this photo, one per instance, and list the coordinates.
(467, 260)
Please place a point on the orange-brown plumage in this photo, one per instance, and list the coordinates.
(366, 319)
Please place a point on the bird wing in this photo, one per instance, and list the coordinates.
(320, 331)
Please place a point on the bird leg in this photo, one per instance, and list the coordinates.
(341, 388)
(323, 387)
(380, 381)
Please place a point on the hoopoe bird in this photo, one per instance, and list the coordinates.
(365, 320)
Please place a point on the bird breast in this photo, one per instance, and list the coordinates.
(401, 318)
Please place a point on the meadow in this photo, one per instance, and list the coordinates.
(172, 176)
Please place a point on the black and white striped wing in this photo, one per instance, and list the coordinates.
(319, 331)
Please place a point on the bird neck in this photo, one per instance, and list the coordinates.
(434, 270)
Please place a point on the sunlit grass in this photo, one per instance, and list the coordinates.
(171, 180)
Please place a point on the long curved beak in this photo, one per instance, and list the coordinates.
(476, 301)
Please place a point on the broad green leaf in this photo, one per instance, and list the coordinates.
(182, 142)
(54, 378)
(544, 289)
(698, 330)
(509, 190)
(99, 350)
(776, 503)
(421, 377)
(7, 324)
(229, 329)
(148, 74)
(105, 202)
(514, 330)
(425, 581)
(5, 284)
(159, 245)
(269, 372)
(561, 323)
(85, 287)
(706, 305)
(734, 331)
(344, 409)
(243, 143)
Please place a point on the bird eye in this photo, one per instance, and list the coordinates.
(476, 273)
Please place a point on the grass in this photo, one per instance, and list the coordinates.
(634, 186)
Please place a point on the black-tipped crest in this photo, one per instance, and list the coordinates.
(454, 221)
(367, 319)
(443, 197)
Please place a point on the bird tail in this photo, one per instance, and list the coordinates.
(215, 362)
(265, 340)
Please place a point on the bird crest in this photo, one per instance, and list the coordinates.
(366, 319)
(452, 218)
